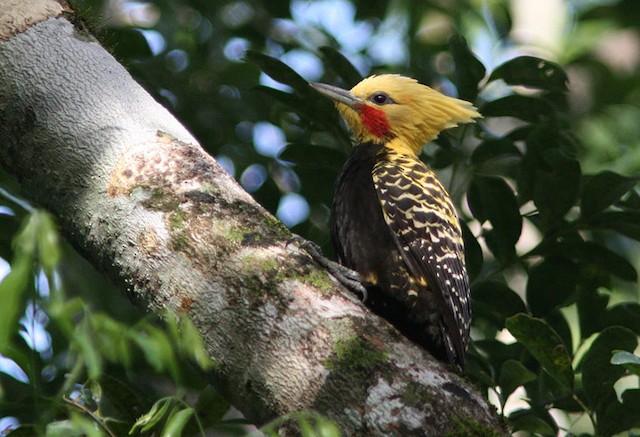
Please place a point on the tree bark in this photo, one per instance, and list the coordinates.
(136, 194)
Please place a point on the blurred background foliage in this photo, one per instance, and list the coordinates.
(546, 184)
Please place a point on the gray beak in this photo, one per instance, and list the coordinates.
(337, 94)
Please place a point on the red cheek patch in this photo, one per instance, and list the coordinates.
(375, 120)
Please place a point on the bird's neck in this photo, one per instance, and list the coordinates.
(403, 147)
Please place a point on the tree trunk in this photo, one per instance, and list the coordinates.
(136, 194)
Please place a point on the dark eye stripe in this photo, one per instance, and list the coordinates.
(381, 98)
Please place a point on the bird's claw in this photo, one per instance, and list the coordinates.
(347, 277)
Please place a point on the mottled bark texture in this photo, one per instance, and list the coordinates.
(136, 194)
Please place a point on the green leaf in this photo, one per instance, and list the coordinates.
(596, 255)
(490, 198)
(558, 323)
(157, 349)
(83, 338)
(472, 252)
(279, 71)
(313, 107)
(111, 337)
(444, 157)
(513, 374)
(306, 429)
(556, 184)
(37, 240)
(149, 420)
(12, 291)
(598, 374)
(550, 284)
(630, 201)
(310, 424)
(602, 190)
(625, 222)
(282, 96)
(118, 398)
(630, 361)
(176, 422)
(327, 428)
(528, 421)
(315, 165)
(125, 42)
(495, 302)
(63, 428)
(469, 70)
(532, 72)
(190, 345)
(86, 424)
(48, 242)
(527, 108)
(10, 226)
(625, 314)
(494, 148)
(619, 417)
(26, 242)
(211, 406)
(341, 65)
(592, 309)
(544, 344)
(479, 369)
(497, 351)
(313, 156)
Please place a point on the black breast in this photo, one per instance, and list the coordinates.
(358, 230)
(361, 237)
(363, 242)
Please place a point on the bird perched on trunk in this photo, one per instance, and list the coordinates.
(392, 220)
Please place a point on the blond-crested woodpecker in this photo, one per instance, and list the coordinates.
(392, 220)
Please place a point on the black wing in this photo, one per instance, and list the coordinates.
(425, 228)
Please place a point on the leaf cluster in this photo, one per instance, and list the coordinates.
(76, 369)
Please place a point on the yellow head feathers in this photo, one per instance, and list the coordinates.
(398, 110)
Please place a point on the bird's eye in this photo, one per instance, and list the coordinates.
(381, 98)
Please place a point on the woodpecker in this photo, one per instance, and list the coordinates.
(392, 220)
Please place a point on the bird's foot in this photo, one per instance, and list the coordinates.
(347, 277)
